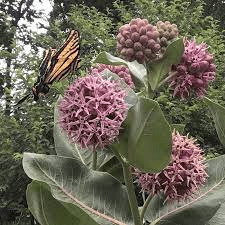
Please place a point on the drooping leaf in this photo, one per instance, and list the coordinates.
(218, 114)
(100, 195)
(49, 211)
(138, 70)
(131, 98)
(106, 58)
(203, 209)
(156, 70)
(147, 138)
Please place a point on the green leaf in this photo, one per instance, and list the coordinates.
(106, 58)
(156, 70)
(49, 211)
(106, 160)
(131, 98)
(205, 207)
(178, 127)
(218, 114)
(138, 70)
(113, 167)
(147, 138)
(100, 195)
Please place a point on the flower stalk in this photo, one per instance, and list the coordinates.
(145, 206)
(131, 194)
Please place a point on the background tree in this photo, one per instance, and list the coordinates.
(13, 29)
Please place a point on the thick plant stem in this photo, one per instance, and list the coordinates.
(131, 194)
(94, 160)
(145, 206)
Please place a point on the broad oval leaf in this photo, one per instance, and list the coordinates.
(147, 139)
(203, 209)
(156, 70)
(100, 195)
(49, 211)
(218, 114)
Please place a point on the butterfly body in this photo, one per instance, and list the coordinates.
(56, 65)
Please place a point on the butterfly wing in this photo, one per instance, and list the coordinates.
(56, 65)
(65, 60)
(46, 62)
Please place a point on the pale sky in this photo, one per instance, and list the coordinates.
(45, 7)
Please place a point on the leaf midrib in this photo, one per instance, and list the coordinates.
(80, 203)
(42, 206)
(190, 203)
(143, 126)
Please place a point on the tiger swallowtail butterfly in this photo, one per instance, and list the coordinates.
(56, 65)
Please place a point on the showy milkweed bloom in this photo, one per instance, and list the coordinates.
(92, 111)
(138, 40)
(182, 177)
(122, 71)
(194, 71)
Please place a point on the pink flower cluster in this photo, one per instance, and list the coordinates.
(92, 111)
(194, 71)
(182, 176)
(122, 71)
(138, 40)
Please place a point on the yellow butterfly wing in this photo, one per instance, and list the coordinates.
(65, 60)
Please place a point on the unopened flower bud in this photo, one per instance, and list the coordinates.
(138, 35)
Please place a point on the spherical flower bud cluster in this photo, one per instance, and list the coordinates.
(167, 32)
(122, 71)
(92, 111)
(138, 40)
(194, 71)
(182, 177)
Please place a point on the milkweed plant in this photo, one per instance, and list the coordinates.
(112, 138)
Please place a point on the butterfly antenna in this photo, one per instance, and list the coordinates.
(23, 99)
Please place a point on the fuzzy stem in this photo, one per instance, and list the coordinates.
(167, 78)
(94, 160)
(145, 206)
(131, 194)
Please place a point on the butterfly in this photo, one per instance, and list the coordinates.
(56, 65)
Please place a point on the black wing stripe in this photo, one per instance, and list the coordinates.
(71, 67)
(74, 34)
(44, 64)
(67, 55)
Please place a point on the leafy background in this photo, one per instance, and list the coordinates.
(29, 128)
